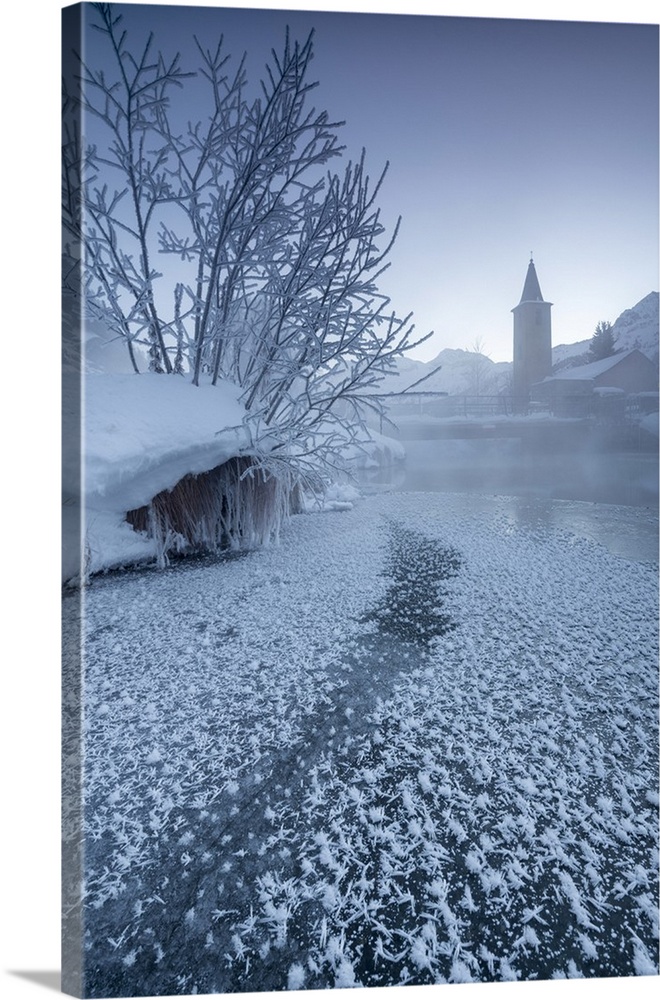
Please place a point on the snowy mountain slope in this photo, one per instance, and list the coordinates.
(636, 327)
(566, 355)
(461, 373)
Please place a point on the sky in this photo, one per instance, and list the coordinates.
(504, 137)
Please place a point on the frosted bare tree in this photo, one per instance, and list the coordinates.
(481, 379)
(226, 247)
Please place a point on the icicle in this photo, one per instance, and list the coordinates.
(238, 505)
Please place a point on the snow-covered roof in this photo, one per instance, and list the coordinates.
(593, 369)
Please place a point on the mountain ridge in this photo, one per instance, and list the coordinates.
(469, 373)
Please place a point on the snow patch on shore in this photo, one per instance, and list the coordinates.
(141, 434)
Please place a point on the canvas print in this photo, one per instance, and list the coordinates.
(360, 516)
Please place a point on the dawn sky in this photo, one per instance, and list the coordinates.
(504, 136)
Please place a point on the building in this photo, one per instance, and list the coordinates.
(532, 338)
(580, 391)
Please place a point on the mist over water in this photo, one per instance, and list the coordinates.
(504, 465)
(598, 492)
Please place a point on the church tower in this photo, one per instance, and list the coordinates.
(532, 337)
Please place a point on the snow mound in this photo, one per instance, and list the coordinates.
(372, 450)
(140, 435)
(336, 496)
(143, 433)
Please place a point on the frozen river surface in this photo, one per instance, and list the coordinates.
(416, 742)
(610, 497)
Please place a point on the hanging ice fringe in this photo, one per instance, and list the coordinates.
(238, 505)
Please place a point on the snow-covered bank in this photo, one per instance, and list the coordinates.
(144, 433)
(373, 450)
(141, 435)
(488, 812)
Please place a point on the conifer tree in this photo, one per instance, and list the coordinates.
(601, 344)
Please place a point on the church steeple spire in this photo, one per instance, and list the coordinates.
(531, 290)
(532, 338)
